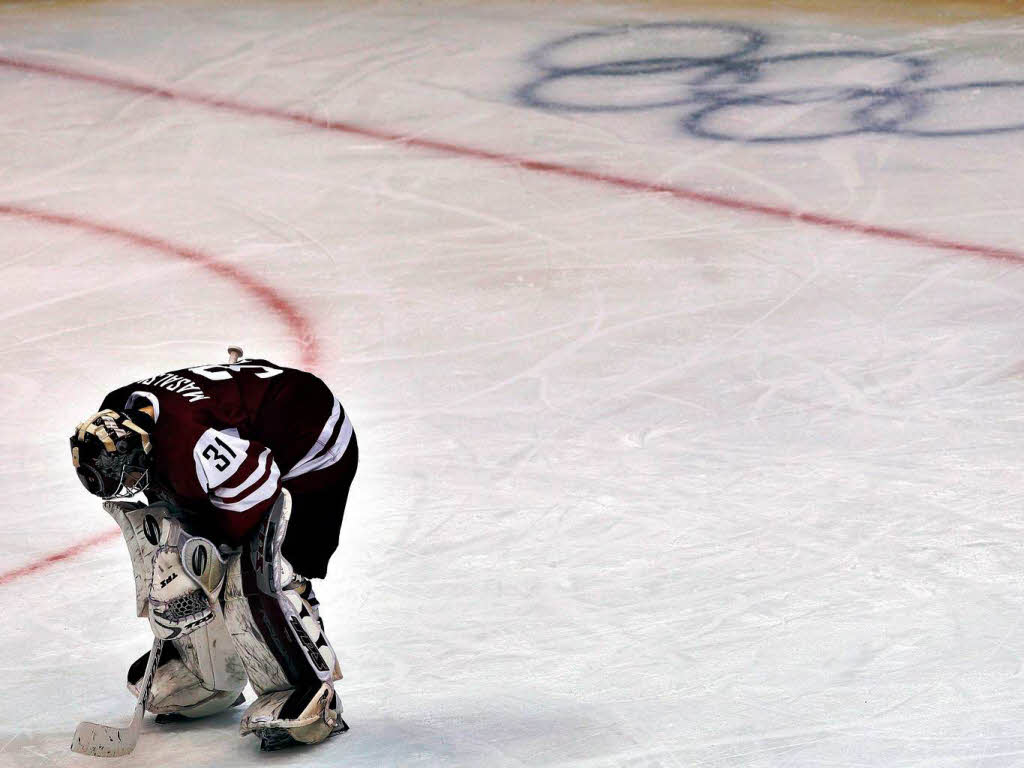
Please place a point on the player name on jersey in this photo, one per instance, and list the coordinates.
(182, 385)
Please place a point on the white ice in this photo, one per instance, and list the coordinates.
(644, 482)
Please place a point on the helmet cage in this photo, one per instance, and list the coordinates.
(124, 490)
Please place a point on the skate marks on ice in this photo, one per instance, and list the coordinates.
(738, 83)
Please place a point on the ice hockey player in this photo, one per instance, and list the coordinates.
(246, 469)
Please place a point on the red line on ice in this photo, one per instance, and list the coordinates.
(73, 551)
(299, 325)
(267, 295)
(679, 192)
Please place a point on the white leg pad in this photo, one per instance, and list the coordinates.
(274, 629)
(261, 665)
(177, 690)
(204, 674)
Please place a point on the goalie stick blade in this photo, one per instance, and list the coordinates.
(104, 740)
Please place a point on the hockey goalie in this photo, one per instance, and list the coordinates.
(245, 471)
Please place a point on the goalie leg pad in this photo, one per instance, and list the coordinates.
(279, 638)
(265, 671)
(200, 673)
(177, 689)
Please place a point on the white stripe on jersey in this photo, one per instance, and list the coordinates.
(311, 461)
(331, 456)
(261, 469)
(261, 493)
(325, 435)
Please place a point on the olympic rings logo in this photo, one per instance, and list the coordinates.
(737, 93)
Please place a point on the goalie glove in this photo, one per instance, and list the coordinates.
(177, 604)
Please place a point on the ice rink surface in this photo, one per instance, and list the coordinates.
(684, 347)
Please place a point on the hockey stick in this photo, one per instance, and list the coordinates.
(108, 741)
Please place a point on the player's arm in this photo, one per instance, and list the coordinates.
(239, 477)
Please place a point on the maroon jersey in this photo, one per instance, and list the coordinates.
(227, 436)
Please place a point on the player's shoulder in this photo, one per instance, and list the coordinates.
(268, 368)
(216, 392)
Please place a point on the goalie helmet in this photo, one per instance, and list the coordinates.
(112, 455)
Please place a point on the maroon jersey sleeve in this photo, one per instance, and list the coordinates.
(237, 476)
